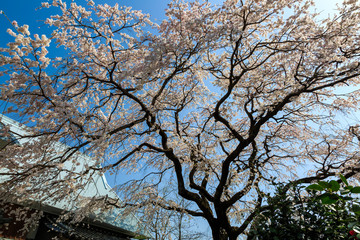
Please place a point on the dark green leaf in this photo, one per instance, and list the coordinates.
(324, 184)
(355, 190)
(334, 185)
(315, 187)
(328, 200)
(355, 208)
(343, 179)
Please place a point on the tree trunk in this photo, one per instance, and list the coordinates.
(219, 234)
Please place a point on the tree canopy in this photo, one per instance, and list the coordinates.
(216, 102)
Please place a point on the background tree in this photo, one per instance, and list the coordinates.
(164, 224)
(326, 210)
(294, 214)
(215, 101)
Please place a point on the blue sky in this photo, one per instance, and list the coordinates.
(23, 11)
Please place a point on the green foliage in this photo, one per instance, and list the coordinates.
(325, 210)
(331, 192)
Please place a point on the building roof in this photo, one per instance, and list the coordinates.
(113, 219)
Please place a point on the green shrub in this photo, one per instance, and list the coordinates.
(325, 210)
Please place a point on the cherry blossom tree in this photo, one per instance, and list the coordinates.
(216, 102)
